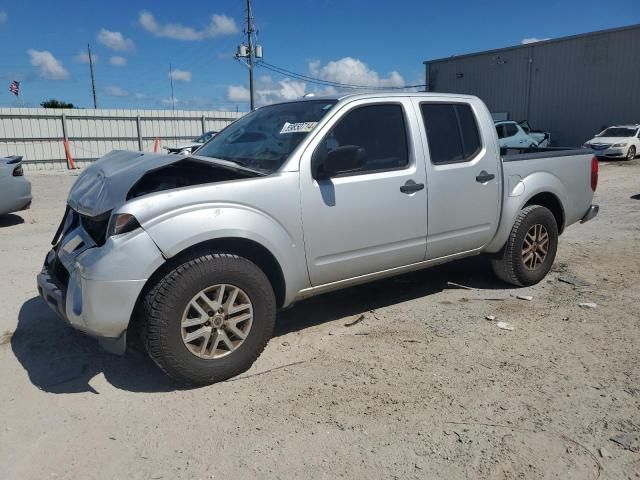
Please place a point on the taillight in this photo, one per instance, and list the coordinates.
(18, 172)
(594, 173)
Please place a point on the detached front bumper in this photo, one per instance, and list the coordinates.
(88, 290)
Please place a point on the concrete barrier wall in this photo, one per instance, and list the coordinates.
(38, 133)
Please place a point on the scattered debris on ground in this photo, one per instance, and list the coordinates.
(457, 285)
(575, 281)
(604, 453)
(630, 441)
(505, 326)
(588, 305)
(356, 321)
(528, 298)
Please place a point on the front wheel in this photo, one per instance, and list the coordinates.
(631, 153)
(531, 248)
(209, 318)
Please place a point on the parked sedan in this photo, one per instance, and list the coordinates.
(621, 141)
(193, 145)
(15, 190)
(512, 135)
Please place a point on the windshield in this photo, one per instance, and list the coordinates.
(617, 132)
(264, 138)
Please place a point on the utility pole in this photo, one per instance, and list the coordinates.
(93, 81)
(249, 42)
(173, 101)
(250, 52)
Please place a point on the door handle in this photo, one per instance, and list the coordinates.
(410, 187)
(485, 177)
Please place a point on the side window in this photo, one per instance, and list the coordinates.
(380, 130)
(452, 132)
(500, 130)
(510, 130)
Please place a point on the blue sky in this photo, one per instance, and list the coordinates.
(349, 41)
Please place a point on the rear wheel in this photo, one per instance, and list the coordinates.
(531, 248)
(631, 154)
(209, 319)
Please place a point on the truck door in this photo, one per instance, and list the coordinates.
(463, 174)
(375, 218)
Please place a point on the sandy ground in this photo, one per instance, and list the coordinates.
(422, 387)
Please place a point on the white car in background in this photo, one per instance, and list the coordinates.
(518, 135)
(15, 190)
(622, 141)
(193, 145)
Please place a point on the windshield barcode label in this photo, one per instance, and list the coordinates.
(302, 127)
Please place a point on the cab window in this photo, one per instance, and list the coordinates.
(380, 130)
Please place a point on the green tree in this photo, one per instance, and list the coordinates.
(53, 103)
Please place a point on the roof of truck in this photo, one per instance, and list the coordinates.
(378, 94)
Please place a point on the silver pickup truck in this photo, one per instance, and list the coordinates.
(197, 252)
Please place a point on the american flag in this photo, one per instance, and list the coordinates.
(14, 87)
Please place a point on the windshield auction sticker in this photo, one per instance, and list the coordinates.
(302, 127)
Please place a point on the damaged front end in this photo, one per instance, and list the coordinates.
(102, 257)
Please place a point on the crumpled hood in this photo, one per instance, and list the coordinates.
(104, 184)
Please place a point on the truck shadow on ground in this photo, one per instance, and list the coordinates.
(58, 359)
(10, 220)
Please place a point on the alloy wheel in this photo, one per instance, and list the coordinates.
(535, 246)
(216, 321)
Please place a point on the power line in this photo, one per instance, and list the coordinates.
(328, 83)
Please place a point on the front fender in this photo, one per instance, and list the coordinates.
(518, 191)
(176, 231)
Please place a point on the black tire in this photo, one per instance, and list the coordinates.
(165, 303)
(509, 265)
(631, 153)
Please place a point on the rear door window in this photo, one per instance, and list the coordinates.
(452, 132)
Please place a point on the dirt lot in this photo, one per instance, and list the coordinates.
(422, 387)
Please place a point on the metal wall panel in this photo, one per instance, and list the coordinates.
(37, 133)
(572, 87)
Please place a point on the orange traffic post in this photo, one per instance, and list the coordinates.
(156, 144)
(70, 163)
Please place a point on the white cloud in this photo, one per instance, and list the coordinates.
(346, 70)
(237, 93)
(118, 61)
(3, 16)
(180, 75)
(116, 91)
(115, 41)
(533, 40)
(352, 71)
(219, 25)
(141, 96)
(83, 57)
(50, 67)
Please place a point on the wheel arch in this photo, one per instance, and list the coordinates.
(243, 247)
(552, 203)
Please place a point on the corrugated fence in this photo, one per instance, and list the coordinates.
(38, 134)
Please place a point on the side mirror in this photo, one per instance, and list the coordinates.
(345, 159)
